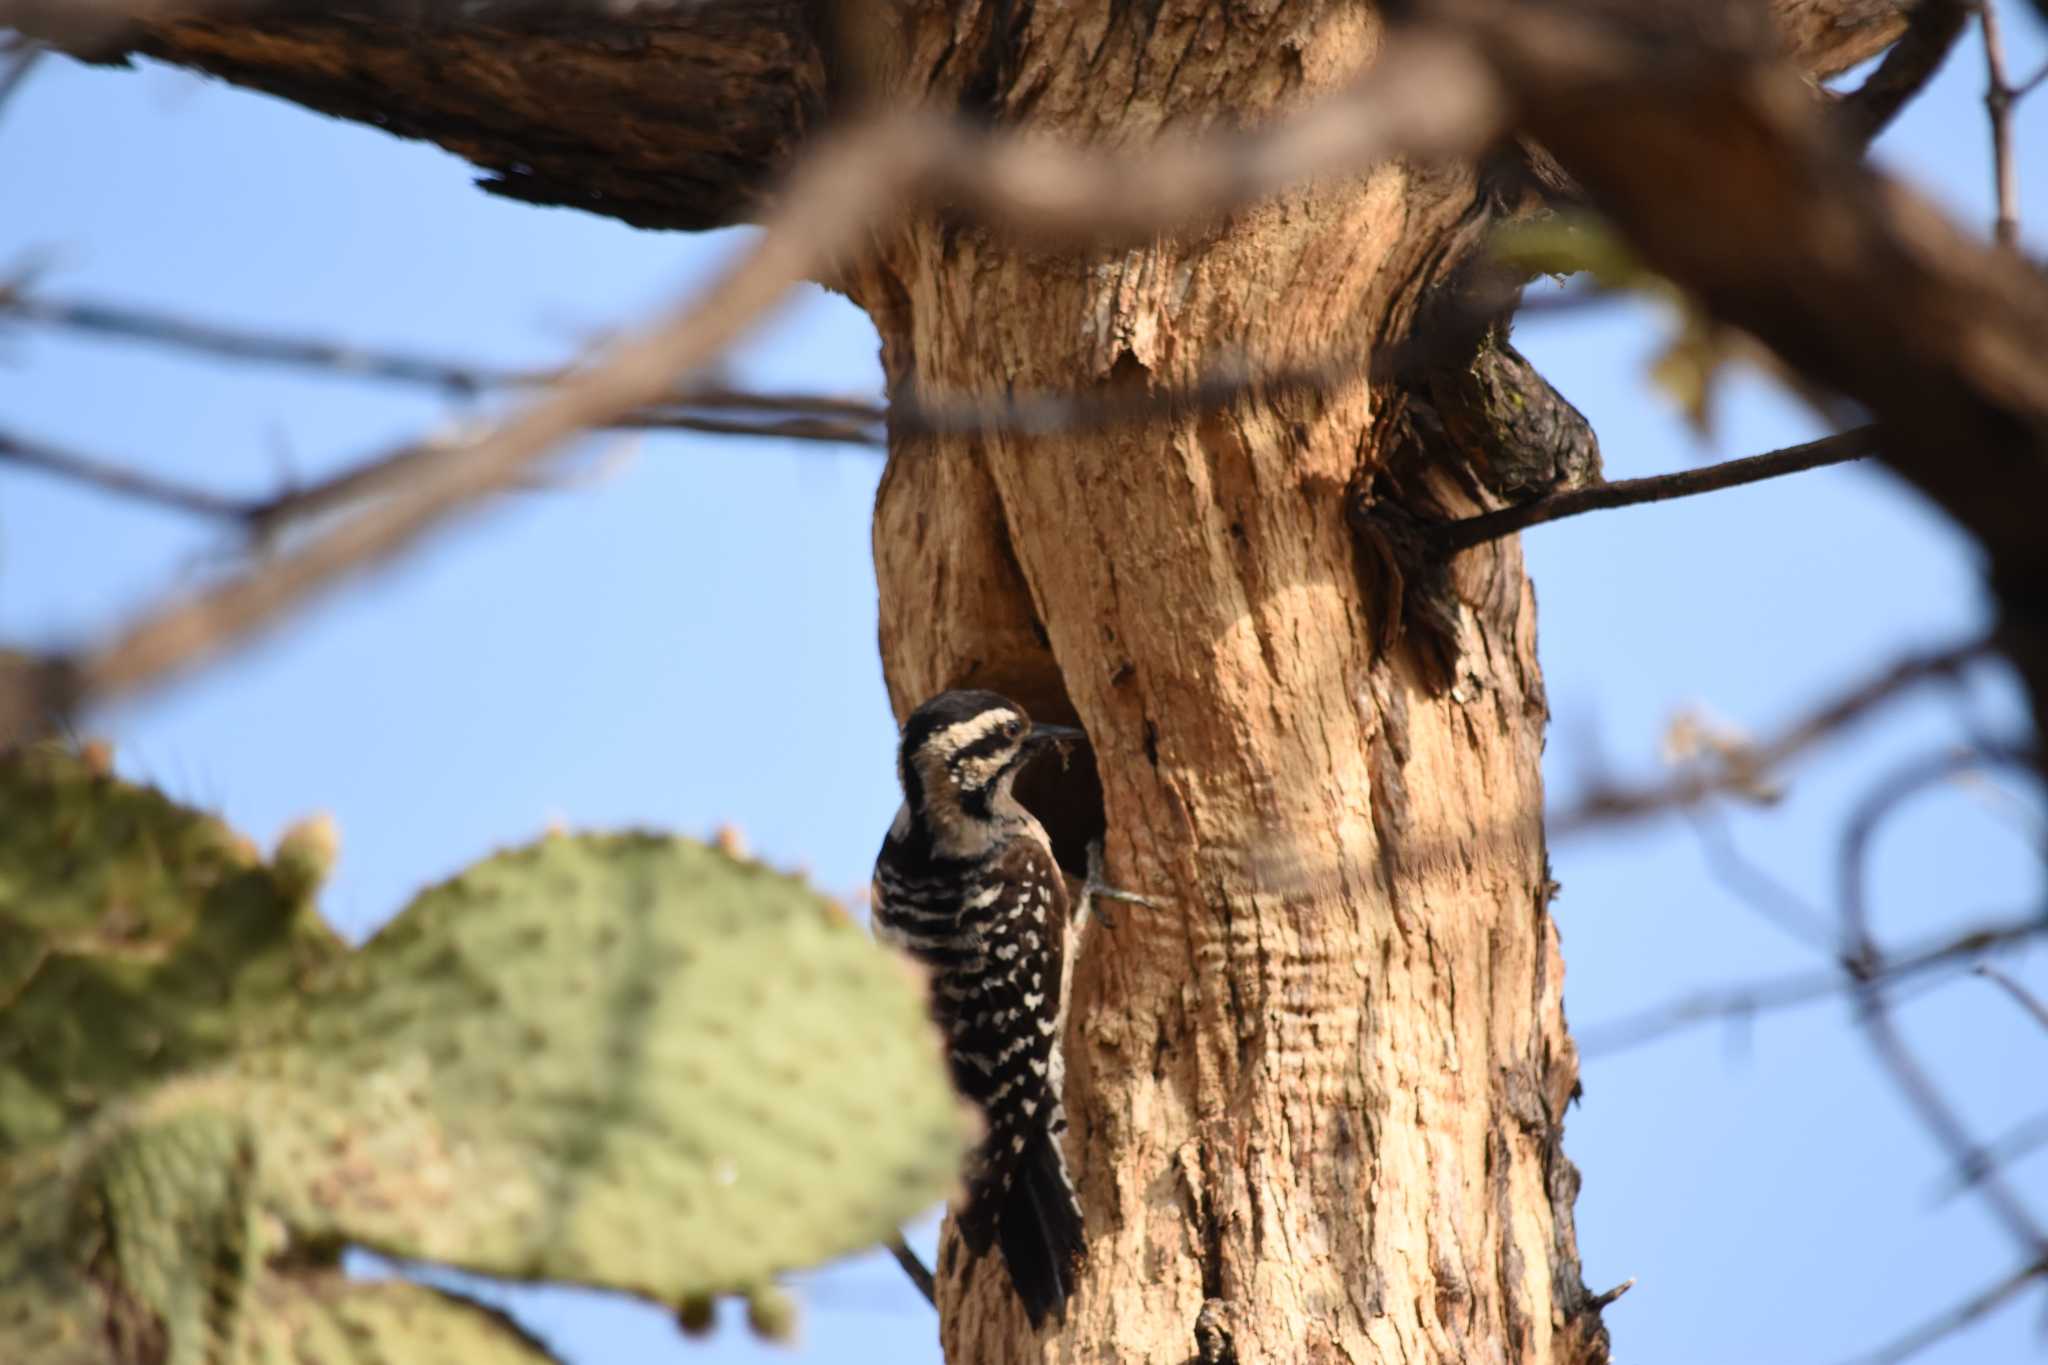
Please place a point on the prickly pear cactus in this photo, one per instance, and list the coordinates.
(135, 935)
(624, 1061)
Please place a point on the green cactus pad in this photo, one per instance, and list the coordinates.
(631, 1062)
(154, 1253)
(135, 936)
(327, 1319)
(620, 1060)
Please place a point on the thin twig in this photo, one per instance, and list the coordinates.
(20, 64)
(1610, 805)
(1772, 900)
(1862, 957)
(2003, 1150)
(1954, 1319)
(1855, 444)
(124, 322)
(914, 1268)
(1805, 988)
(47, 458)
(1932, 28)
(1999, 96)
(797, 416)
(824, 430)
(2025, 998)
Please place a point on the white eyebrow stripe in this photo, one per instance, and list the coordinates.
(960, 734)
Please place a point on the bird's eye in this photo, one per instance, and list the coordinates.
(1013, 728)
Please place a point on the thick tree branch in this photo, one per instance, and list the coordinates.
(671, 113)
(1932, 28)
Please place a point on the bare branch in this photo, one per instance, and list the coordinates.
(126, 323)
(1772, 900)
(811, 417)
(823, 430)
(2025, 998)
(1932, 28)
(19, 63)
(1954, 1319)
(46, 458)
(1883, 801)
(1608, 805)
(2015, 1143)
(1999, 98)
(1805, 988)
(1940, 1119)
(1453, 537)
(1867, 963)
(914, 1268)
(826, 212)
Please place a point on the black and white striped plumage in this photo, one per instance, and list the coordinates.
(966, 884)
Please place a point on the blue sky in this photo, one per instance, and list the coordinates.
(620, 651)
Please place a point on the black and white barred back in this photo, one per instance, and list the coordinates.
(966, 884)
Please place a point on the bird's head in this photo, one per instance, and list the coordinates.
(962, 751)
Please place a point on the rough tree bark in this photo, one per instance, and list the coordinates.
(1318, 1097)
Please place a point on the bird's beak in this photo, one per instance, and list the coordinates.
(1064, 737)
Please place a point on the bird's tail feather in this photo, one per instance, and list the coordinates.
(1039, 1230)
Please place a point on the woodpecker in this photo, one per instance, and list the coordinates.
(966, 884)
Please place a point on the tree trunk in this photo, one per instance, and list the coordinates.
(1319, 1091)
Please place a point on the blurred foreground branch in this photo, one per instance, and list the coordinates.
(825, 213)
(1429, 99)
